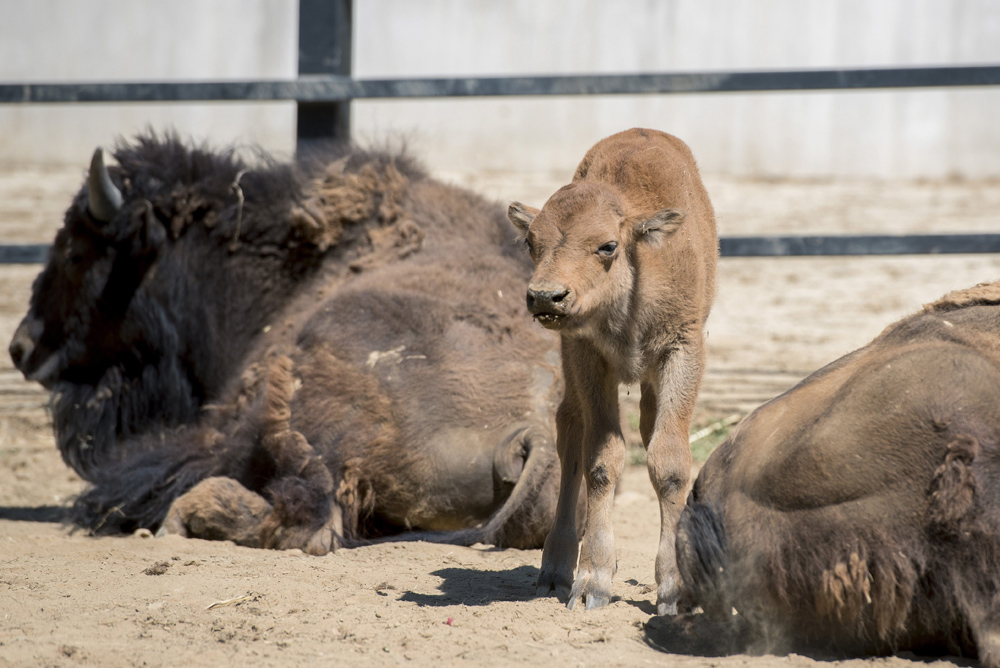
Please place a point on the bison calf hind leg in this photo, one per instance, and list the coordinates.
(603, 459)
(668, 398)
(598, 563)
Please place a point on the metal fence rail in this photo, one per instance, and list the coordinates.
(786, 246)
(324, 90)
(332, 88)
(24, 253)
(911, 244)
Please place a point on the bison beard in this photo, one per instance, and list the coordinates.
(135, 322)
(858, 513)
(302, 355)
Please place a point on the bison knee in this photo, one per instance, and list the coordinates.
(669, 481)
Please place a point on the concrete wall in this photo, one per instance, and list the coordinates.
(926, 133)
(137, 40)
(930, 133)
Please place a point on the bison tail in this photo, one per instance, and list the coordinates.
(136, 493)
(524, 519)
(703, 559)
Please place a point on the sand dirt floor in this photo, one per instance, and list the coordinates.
(67, 599)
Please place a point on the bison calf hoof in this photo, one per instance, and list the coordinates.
(666, 608)
(587, 587)
(593, 601)
(667, 594)
(549, 581)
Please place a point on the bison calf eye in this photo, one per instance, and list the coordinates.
(608, 249)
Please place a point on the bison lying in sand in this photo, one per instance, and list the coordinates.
(624, 269)
(860, 511)
(305, 355)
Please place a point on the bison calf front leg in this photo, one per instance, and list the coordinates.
(604, 454)
(668, 399)
(595, 392)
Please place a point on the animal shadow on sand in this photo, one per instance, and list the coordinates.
(50, 514)
(700, 635)
(469, 586)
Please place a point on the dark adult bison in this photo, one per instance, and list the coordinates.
(625, 270)
(860, 511)
(324, 352)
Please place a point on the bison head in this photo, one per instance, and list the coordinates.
(100, 257)
(585, 246)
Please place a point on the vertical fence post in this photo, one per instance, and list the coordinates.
(324, 48)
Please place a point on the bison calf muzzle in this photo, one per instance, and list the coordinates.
(548, 306)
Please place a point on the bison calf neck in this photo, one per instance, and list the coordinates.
(624, 269)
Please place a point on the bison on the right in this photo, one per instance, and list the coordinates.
(859, 512)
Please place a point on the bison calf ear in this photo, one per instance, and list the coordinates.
(521, 215)
(665, 222)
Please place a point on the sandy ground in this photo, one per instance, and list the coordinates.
(67, 599)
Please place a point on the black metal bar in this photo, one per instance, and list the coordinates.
(924, 244)
(325, 35)
(24, 253)
(776, 246)
(332, 88)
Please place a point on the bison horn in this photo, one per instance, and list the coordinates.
(104, 199)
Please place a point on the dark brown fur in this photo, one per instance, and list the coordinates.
(625, 270)
(860, 511)
(343, 338)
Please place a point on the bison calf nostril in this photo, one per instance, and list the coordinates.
(546, 300)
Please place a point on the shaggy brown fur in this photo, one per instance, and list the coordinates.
(860, 511)
(301, 356)
(624, 269)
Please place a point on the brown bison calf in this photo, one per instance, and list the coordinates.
(624, 269)
(860, 511)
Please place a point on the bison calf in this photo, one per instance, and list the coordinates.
(860, 511)
(625, 261)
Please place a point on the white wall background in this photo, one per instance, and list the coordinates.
(925, 133)
(143, 40)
